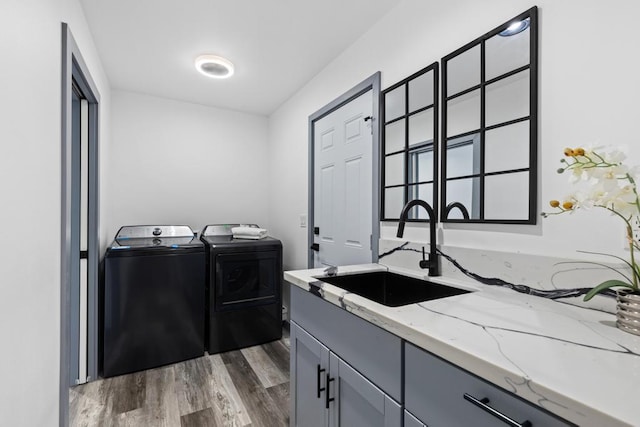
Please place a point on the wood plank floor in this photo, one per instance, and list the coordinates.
(248, 387)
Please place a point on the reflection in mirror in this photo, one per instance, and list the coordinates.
(394, 172)
(421, 165)
(507, 148)
(394, 105)
(463, 156)
(421, 127)
(490, 126)
(394, 201)
(463, 71)
(506, 53)
(410, 143)
(504, 196)
(456, 205)
(463, 113)
(421, 92)
(394, 137)
(422, 192)
(507, 99)
(466, 192)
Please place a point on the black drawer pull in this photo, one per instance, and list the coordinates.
(319, 373)
(483, 404)
(326, 396)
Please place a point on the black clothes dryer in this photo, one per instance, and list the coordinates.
(153, 299)
(244, 282)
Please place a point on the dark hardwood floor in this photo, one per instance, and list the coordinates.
(248, 387)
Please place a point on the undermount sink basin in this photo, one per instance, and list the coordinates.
(391, 289)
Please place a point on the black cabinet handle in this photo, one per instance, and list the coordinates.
(328, 399)
(319, 373)
(483, 404)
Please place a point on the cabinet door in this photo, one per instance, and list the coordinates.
(309, 369)
(356, 401)
(411, 421)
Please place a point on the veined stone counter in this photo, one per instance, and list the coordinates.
(569, 360)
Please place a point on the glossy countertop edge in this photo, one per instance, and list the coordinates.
(561, 400)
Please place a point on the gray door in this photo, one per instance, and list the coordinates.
(309, 369)
(343, 173)
(357, 401)
(79, 234)
(79, 223)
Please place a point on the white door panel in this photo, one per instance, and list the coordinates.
(353, 213)
(343, 174)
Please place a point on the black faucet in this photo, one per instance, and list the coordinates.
(433, 263)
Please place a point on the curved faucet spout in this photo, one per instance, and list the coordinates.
(456, 205)
(433, 264)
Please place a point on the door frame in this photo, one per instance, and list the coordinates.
(75, 68)
(371, 83)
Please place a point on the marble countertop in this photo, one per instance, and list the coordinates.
(569, 360)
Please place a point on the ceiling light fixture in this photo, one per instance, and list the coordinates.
(516, 27)
(214, 66)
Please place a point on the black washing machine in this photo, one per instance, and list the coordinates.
(244, 281)
(153, 299)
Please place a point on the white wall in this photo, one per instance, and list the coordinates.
(173, 162)
(30, 179)
(588, 86)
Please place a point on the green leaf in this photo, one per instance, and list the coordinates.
(606, 285)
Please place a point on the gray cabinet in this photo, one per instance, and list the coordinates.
(374, 352)
(359, 403)
(440, 394)
(327, 391)
(309, 363)
(412, 421)
(344, 370)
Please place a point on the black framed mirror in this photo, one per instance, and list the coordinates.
(410, 144)
(489, 126)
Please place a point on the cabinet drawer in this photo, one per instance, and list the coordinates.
(372, 351)
(435, 393)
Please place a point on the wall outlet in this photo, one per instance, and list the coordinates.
(303, 221)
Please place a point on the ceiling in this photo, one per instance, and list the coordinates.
(149, 46)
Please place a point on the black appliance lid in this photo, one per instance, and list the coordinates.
(215, 241)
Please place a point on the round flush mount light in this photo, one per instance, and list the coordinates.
(214, 66)
(516, 27)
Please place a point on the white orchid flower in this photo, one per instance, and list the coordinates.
(608, 184)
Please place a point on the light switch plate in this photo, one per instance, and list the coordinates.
(303, 221)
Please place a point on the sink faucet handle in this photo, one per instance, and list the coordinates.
(332, 270)
(424, 263)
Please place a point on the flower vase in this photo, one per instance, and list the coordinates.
(628, 311)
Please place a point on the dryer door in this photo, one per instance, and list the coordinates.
(245, 279)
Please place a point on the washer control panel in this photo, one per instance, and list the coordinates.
(223, 229)
(150, 231)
